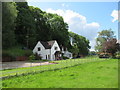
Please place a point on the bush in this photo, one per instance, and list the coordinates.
(32, 57)
(6, 56)
(28, 53)
(65, 57)
(18, 51)
(53, 62)
(14, 53)
(117, 55)
(45, 60)
(37, 57)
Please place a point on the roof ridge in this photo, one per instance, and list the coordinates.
(48, 44)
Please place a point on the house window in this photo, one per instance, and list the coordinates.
(46, 56)
(39, 49)
(55, 48)
(69, 55)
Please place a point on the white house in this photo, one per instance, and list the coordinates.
(66, 53)
(48, 50)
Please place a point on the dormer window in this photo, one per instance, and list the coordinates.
(55, 48)
(39, 49)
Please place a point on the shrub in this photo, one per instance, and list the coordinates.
(6, 56)
(45, 60)
(16, 52)
(32, 57)
(37, 57)
(53, 62)
(65, 57)
(28, 53)
(117, 55)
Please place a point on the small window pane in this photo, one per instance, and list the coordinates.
(39, 49)
(55, 48)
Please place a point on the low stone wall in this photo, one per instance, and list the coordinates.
(21, 58)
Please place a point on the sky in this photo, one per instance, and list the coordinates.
(84, 18)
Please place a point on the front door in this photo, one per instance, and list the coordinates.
(49, 57)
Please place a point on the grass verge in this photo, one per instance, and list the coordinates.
(86, 75)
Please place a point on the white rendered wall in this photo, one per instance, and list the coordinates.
(43, 52)
(66, 54)
(53, 50)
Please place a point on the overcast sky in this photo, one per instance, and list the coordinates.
(84, 18)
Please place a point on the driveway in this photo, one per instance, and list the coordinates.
(18, 64)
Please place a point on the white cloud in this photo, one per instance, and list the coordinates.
(114, 14)
(65, 5)
(78, 24)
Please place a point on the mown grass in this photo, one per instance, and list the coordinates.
(61, 64)
(86, 75)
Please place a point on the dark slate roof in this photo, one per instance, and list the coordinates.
(48, 45)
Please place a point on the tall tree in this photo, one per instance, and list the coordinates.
(103, 36)
(110, 46)
(81, 42)
(9, 14)
(25, 26)
(118, 47)
(58, 28)
(41, 25)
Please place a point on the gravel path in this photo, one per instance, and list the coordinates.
(18, 64)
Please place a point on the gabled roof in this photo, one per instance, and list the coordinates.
(48, 45)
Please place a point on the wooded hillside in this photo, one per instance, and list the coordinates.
(26, 25)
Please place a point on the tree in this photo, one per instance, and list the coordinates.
(35, 25)
(58, 29)
(106, 34)
(103, 36)
(28, 24)
(42, 27)
(25, 26)
(9, 14)
(118, 47)
(81, 43)
(110, 46)
(74, 49)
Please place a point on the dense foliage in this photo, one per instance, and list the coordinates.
(80, 44)
(107, 43)
(9, 14)
(110, 46)
(103, 36)
(25, 25)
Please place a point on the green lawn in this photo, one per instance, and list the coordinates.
(102, 74)
(61, 64)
